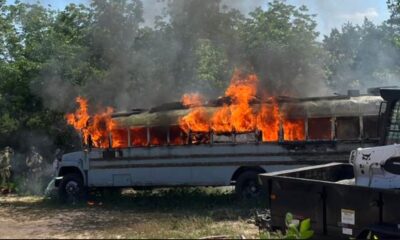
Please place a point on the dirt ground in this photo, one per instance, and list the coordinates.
(163, 214)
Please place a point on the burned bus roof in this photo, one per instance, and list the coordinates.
(344, 107)
(313, 107)
(218, 102)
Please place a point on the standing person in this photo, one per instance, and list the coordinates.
(56, 161)
(34, 162)
(5, 168)
(50, 189)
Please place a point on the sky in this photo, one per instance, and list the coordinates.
(334, 13)
(330, 13)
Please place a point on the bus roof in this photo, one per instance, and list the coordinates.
(290, 108)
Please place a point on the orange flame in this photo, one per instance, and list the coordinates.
(94, 128)
(294, 130)
(119, 138)
(268, 122)
(221, 120)
(138, 137)
(240, 116)
(197, 119)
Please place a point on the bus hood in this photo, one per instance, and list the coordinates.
(73, 157)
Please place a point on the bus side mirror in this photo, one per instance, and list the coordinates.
(382, 108)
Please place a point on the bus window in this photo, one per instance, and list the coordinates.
(393, 135)
(158, 136)
(319, 128)
(370, 124)
(294, 130)
(119, 138)
(347, 128)
(138, 137)
(177, 136)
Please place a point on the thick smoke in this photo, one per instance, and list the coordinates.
(144, 69)
(22, 176)
(155, 8)
(244, 6)
(20, 172)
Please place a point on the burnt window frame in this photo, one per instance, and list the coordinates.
(184, 136)
(162, 130)
(282, 130)
(111, 137)
(331, 129)
(131, 137)
(359, 124)
(364, 127)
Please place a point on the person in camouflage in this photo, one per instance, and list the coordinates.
(34, 162)
(56, 161)
(5, 167)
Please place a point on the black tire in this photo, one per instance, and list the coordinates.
(71, 189)
(248, 187)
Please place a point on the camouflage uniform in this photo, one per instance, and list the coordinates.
(34, 163)
(5, 166)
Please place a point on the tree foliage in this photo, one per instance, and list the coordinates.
(104, 52)
(280, 43)
(362, 56)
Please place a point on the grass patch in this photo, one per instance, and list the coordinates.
(163, 213)
(180, 199)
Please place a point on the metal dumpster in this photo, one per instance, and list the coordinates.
(336, 209)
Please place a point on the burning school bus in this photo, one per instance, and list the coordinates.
(215, 143)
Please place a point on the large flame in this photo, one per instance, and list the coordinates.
(268, 121)
(240, 115)
(294, 130)
(197, 119)
(95, 129)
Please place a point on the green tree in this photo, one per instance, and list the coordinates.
(361, 57)
(280, 43)
(211, 66)
(34, 53)
(394, 8)
(394, 20)
(20, 54)
(203, 33)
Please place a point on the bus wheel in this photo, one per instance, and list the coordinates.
(71, 189)
(247, 185)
